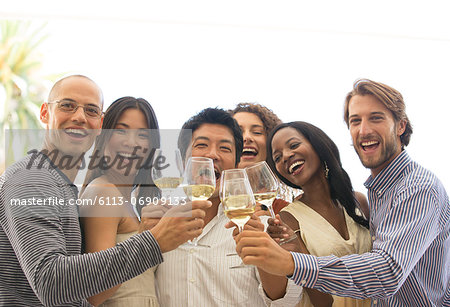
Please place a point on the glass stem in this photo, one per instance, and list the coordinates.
(240, 228)
(272, 213)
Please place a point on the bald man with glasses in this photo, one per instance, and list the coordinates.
(40, 239)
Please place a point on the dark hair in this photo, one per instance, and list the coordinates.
(388, 96)
(338, 180)
(143, 179)
(268, 118)
(210, 116)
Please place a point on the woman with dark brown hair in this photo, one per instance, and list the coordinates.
(121, 179)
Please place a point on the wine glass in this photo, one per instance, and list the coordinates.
(199, 181)
(167, 171)
(264, 184)
(229, 174)
(236, 173)
(238, 203)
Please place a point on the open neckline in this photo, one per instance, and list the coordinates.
(328, 223)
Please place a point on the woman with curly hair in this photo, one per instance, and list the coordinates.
(256, 122)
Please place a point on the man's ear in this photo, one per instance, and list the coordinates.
(44, 113)
(401, 127)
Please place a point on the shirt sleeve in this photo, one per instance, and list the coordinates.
(39, 237)
(293, 293)
(405, 231)
(292, 296)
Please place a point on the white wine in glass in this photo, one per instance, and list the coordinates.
(238, 203)
(168, 176)
(199, 181)
(264, 184)
(237, 209)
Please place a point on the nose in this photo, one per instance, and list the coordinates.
(130, 139)
(365, 128)
(79, 115)
(212, 154)
(247, 136)
(286, 155)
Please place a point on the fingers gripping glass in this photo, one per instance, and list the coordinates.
(70, 106)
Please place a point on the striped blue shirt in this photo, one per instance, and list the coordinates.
(409, 264)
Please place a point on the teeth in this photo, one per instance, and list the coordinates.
(76, 131)
(295, 164)
(369, 143)
(125, 155)
(252, 150)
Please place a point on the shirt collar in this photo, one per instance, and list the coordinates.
(383, 180)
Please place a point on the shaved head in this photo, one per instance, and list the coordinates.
(57, 86)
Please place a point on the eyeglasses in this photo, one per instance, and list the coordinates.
(70, 106)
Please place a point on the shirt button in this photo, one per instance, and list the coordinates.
(192, 280)
(373, 238)
(191, 251)
(375, 302)
(303, 282)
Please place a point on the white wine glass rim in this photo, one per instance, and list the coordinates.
(205, 159)
(257, 164)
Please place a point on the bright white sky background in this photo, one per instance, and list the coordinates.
(298, 58)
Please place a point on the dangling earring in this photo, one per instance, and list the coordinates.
(326, 169)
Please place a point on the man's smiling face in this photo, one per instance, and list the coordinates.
(375, 133)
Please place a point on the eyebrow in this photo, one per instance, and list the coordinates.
(201, 138)
(287, 142)
(128, 127)
(290, 139)
(207, 139)
(371, 113)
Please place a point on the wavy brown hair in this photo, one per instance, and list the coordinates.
(388, 96)
(268, 118)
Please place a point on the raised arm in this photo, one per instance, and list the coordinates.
(274, 285)
(46, 241)
(379, 273)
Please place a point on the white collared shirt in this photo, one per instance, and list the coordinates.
(201, 276)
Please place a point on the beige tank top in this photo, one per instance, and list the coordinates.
(322, 239)
(139, 291)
